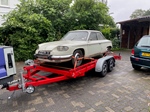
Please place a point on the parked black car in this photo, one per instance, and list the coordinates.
(140, 54)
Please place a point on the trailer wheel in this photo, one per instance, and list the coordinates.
(110, 64)
(30, 89)
(104, 69)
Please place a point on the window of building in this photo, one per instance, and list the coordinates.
(4, 2)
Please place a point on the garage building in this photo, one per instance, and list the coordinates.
(132, 30)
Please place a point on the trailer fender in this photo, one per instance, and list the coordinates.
(100, 62)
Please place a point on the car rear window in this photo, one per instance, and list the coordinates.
(144, 42)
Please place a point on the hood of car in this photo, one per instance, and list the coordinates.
(52, 45)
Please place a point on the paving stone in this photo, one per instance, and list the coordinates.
(114, 95)
(103, 91)
(16, 111)
(50, 101)
(66, 95)
(91, 92)
(109, 109)
(98, 103)
(90, 110)
(75, 104)
(30, 110)
(15, 103)
(128, 108)
(38, 100)
(122, 90)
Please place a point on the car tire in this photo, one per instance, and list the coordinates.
(111, 64)
(104, 69)
(77, 54)
(136, 67)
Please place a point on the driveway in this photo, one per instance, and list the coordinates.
(122, 90)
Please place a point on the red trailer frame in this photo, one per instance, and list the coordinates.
(32, 77)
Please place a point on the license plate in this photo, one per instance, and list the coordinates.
(146, 54)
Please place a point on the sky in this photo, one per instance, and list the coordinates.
(121, 10)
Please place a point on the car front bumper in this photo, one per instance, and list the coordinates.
(53, 58)
(140, 61)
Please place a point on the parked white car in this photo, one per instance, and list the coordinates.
(78, 43)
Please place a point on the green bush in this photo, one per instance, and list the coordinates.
(38, 21)
(1, 39)
(116, 43)
(106, 32)
(113, 35)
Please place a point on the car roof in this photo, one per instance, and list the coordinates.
(146, 36)
(86, 30)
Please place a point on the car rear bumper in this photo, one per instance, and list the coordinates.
(53, 58)
(140, 61)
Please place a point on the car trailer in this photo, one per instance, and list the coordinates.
(32, 75)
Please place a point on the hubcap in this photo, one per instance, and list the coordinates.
(111, 64)
(105, 68)
(77, 55)
(30, 89)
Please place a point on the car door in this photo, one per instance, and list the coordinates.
(103, 42)
(94, 46)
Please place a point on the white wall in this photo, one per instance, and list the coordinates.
(5, 9)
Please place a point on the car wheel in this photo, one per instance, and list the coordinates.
(77, 54)
(136, 67)
(110, 64)
(104, 69)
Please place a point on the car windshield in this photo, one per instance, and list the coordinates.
(144, 42)
(76, 36)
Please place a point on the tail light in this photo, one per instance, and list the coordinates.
(132, 52)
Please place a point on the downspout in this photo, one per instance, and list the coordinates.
(149, 29)
(121, 36)
(128, 39)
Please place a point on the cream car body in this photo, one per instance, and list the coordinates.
(90, 42)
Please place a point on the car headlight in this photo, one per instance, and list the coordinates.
(62, 48)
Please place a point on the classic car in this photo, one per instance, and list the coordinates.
(75, 44)
(140, 54)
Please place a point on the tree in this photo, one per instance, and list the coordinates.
(89, 14)
(140, 13)
(56, 12)
(103, 1)
(37, 21)
(137, 13)
(147, 13)
(31, 23)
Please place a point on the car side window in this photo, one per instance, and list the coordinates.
(100, 36)
(93, 36)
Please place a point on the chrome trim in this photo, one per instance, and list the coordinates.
(61, 57)
(54, 61)
(53, 57)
